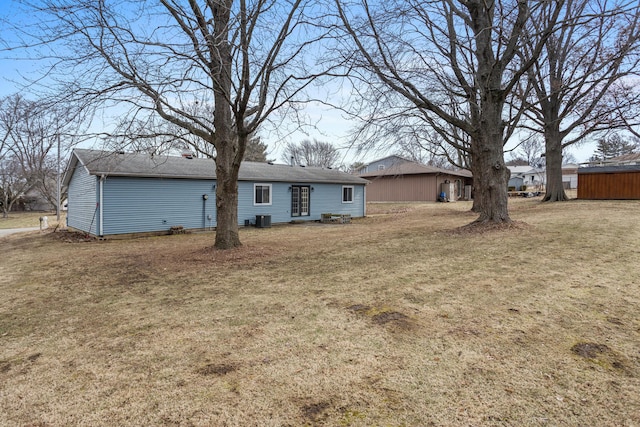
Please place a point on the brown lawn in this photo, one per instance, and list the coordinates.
(30, 219)
(398, 319)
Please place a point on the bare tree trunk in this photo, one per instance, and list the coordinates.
(476, 173)
(227, 236)
(5, 208)
(488, 127)
(491, 179)
(553, 154)
(226, 141)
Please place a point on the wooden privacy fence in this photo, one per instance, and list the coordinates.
(609, 182)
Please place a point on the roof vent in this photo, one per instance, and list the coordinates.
(270, 163)
(302, 166)
(120, 152)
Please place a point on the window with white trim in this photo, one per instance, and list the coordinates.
(347, 194)
(262, 194)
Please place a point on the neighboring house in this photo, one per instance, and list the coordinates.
(35, 201)
(516, 183)
(626, 159)
(117, 193)
(409, 181)
(527, 177)
(570, 176)
(381, 164)
(536, 178)
(32, 201)
(609, 182)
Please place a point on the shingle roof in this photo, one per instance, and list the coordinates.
(144, 165)
(609, 169)
(626, 158)
(516, 170)
(413, 168)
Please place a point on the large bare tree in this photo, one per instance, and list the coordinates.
(246, 58)
(454, 62)
(311, 153)
(156, 136)
(583, 79)
(33, 134)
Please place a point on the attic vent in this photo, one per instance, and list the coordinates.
(120, 152)
(302, 166)
(270, 163)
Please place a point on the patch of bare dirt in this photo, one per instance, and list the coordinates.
(490, 227)
(589, 350)
(315, 411)
(34, 357)
(217, 369)
(244, 255)
(389, 316)
(382, 316)
(358, 308)
(601, 354)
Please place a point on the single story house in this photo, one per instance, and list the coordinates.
(536, 178)
(527, 177)
(410, 181)
(381, 164)
(609, 182)
(112, 193)
(570, 176)
(624, 160)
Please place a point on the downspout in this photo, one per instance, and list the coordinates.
(364, 200)
(100, 211)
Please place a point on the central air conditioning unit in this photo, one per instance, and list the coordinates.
(263, 221)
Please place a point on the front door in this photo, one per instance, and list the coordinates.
(299, 200)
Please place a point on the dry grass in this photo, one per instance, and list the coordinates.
(29, 219)
(393, 320)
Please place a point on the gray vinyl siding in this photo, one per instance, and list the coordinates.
(137, 205)
(82, 199)
(324, 198)
(386, 163)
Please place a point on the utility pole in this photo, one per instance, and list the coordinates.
(58, 184)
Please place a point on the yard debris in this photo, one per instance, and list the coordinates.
(69, 236)
(177, 229)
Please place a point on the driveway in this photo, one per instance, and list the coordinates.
(8, 231)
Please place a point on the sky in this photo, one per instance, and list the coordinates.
(331, 125)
